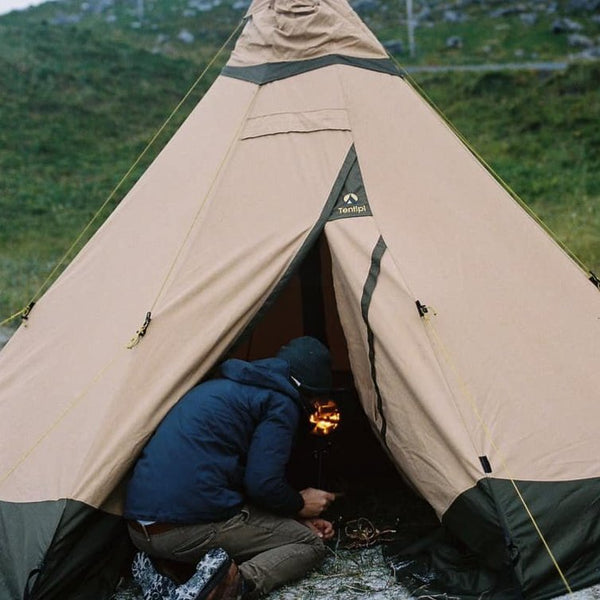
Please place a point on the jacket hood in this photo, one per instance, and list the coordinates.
(272, 373)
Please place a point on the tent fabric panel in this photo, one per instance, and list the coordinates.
(60, 550)
(290, 31)
(304, 122)
(348, 284)
(89, 315)
(270, 72)
(425, 436)
(572, 533)
(200, 292)
(195, 321)
(26, 531)
(468, 250)
(86, 557)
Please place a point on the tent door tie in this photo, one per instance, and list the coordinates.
(594, 279)
(141, 332)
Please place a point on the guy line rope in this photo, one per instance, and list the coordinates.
(24, 312)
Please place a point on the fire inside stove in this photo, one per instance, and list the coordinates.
(325, 418)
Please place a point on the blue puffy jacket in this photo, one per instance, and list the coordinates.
(226, 442)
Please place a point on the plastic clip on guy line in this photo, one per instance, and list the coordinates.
(27, 311)
(141, 332)
(423, 310)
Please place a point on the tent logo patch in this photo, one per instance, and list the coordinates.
(351, 204)
(351, 198)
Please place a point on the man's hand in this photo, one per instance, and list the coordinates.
(315, 502)
(323, 528)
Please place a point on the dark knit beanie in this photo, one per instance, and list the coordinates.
(310, 364)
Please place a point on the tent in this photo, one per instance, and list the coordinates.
(472, 338)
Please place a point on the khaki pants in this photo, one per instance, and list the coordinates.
(268, 550)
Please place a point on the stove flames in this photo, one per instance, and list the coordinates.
(325, 418)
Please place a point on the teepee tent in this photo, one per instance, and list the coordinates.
(472, 338)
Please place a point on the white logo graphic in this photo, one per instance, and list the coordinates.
(350, 199)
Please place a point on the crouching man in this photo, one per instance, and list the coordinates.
(213, 473)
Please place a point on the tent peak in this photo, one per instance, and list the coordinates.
(292, 30)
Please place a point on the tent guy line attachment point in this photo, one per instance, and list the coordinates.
(422, 308)
(27, 311)
(594, 279)
(141, 332)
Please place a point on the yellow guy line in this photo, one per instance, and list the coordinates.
(127, 174)
(489, 168)
(465, 390)
(9, 319)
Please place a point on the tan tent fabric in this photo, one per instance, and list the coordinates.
(425, 432)
(522, 344)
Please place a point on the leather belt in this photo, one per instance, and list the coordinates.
(153, 528)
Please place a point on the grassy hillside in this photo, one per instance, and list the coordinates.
(487, 30)
(80, 100)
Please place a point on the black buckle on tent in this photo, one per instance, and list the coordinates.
(423, 310)
(594, 279)
(27, 311)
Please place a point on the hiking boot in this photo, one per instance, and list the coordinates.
(216, 577)
(229, 588)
